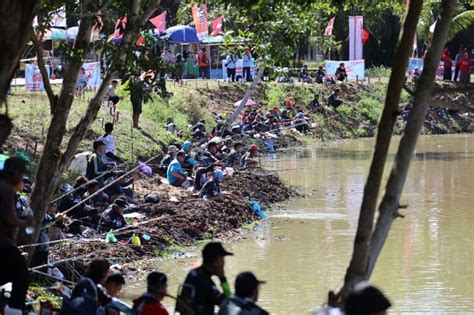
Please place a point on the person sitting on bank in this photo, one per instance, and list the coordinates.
(304, 75)
(175, 174)
(211, 188)
(248, 159)
(320, 75)
(366, 299)
(234, 157)
(247, 288)
(206, 295)
(189, 162)
(111, 96)
(109, 157)
(228, 146)
(168, 158)
(100, 200)
(334, 100)
(341, 74)
(314, 104)
(113, 218)
(96, 169)
(150, 302)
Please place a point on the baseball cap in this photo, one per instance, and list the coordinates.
(254, 147)
(365, 299)
(213, 250)
(172, 148)
(15, 164)
(245, 283)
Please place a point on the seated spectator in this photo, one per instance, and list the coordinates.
(150, 302)
(304, 75)
(100, 201)
(109, 156)
(229, 144)
(248, 159)
(168, 158)
(334, 100)
(210, 156)
(314, 104)
(119, 187)
(234, 157)
(175, 174)
(247, 288)
(320, 75)
(171, 128)
(112, 218)
(110, 95)
(96, 169)
(211, 188)
(301, 122)
(341, 74)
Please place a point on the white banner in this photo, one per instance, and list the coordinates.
(354, 68)
(355, 37)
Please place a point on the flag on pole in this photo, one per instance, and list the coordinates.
(329, 28)
(120, 27)
(159, 22)
(217, 26)
(365, 36)
(200, 21)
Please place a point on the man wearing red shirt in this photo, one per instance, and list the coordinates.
(448, 65)
(465, 65)
(203, 64)
(150, 302)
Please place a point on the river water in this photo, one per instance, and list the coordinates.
(427, 264)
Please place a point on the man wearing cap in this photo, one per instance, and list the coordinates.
(113, 218)
(169, 157)
(366, 299)
(247, 288)
(175, 174)
(13, 266)
(95, 165)
(247, 159)
(206, 295)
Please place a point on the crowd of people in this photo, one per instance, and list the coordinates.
(462, 66)
(198, 294)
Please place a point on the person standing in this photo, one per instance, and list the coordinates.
(203, 64)
(13, 266)
(231, 65)
(247, 289)
(366, 299)
(137, 97)
(448, 65)
(199, 291)
(465, 65)
(458, 58)
(247, 63)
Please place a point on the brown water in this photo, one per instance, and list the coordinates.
(427, 264)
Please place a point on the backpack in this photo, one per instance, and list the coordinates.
(86, 304)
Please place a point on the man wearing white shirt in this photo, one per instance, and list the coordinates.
(109, 157)
(231, 64)
(110, 95)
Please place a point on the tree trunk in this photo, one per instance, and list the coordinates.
(358, 265)
(15, 24)
(44, 72)
(247, 95)
(389, 206)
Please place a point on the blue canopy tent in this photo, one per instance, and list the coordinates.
(181, 34)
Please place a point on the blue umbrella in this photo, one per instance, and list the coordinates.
(180, 34)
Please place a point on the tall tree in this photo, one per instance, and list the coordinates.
(368, 242)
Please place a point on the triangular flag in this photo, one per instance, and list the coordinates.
(120, 27)
(329, 28)
(365, 36)
(159, 22)
(217, 26)
(140, 40)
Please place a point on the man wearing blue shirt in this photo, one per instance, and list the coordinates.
(176, 175)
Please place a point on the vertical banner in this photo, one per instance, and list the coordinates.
(329, 27)
(33, 78)
(200, 20)
(355, 37)
(92, 71)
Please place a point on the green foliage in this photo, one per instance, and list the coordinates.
(41, 294)
(378, 71)
(275, 95)
(461, 23)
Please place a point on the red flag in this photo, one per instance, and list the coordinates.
(159, 22)
(200, 20)
(365, 36)
(328, 31)
(120, 27)
(140, 40)
(217, 26)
